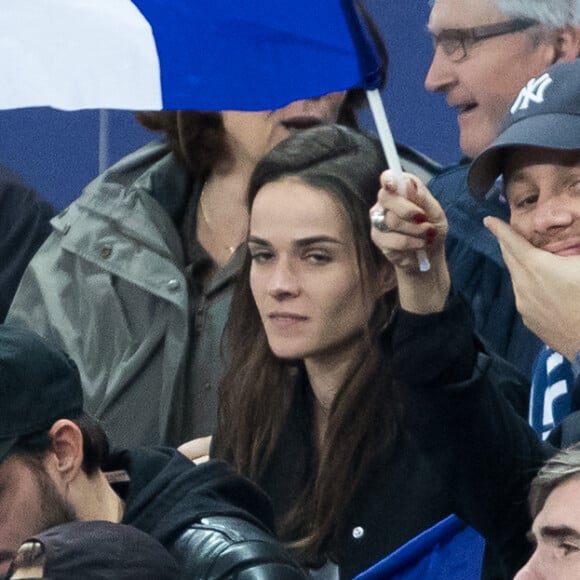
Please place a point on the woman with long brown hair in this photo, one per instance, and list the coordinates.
(357, 395)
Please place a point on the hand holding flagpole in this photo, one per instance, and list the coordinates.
(388, 143)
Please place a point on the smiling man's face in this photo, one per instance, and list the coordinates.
(543, 192)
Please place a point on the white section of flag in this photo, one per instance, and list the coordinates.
(71, 54)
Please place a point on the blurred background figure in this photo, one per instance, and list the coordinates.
(24, 225)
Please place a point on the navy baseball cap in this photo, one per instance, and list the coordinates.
(545, 114)
(39, 384)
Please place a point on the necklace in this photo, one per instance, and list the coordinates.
(230, 248)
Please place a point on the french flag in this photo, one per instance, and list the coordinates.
(449, 550)
(180, 54)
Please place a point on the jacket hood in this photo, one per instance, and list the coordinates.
(167, 492)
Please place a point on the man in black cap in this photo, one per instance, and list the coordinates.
(537, 161)
(55, 467)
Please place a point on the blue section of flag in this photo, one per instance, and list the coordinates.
(258, 54)
(450, 550)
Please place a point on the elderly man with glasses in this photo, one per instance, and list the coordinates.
(484, 52)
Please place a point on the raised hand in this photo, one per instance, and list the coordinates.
(413, 221)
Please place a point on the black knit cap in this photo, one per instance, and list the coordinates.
(545, 114)
(39, 384)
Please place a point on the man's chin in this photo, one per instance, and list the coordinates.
(473, 138)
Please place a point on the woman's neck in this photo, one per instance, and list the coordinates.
(326, 376)
(222, 216)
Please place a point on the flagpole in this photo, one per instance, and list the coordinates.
(388, 143)
(104, 129)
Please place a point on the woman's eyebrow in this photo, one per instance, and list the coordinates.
(302, 242)
(316, 240)
(257, 240)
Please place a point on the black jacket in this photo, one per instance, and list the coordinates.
(214, 522)
(478, 270)
(463, 450)
(24, 225)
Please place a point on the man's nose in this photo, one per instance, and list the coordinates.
(440, 75)
(552, 213)
(529, 571)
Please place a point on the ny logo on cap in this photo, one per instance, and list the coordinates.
(533, 91)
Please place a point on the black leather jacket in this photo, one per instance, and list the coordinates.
(227, 548)
(215, 523)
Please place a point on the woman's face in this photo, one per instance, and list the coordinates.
(304, 275)
(251, 135)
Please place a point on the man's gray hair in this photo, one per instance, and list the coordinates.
(563, 466)
(551, 13)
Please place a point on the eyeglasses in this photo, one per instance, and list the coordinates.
(457, 42)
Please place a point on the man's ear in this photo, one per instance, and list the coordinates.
(66, 450)
(567, 43)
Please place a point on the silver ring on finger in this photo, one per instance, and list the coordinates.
(378, 220)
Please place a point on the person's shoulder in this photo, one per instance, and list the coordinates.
(153, 171)
(451, 190)
(19, 198)
(567, 432)
(451, 177)
(509, 379)
(7, 175)
(417, 163)
(225, 547)
(131, 168)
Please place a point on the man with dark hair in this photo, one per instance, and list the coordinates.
(555, 509)
(55, 468)
(537, 156)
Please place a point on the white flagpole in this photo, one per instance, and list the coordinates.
(388, 143)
